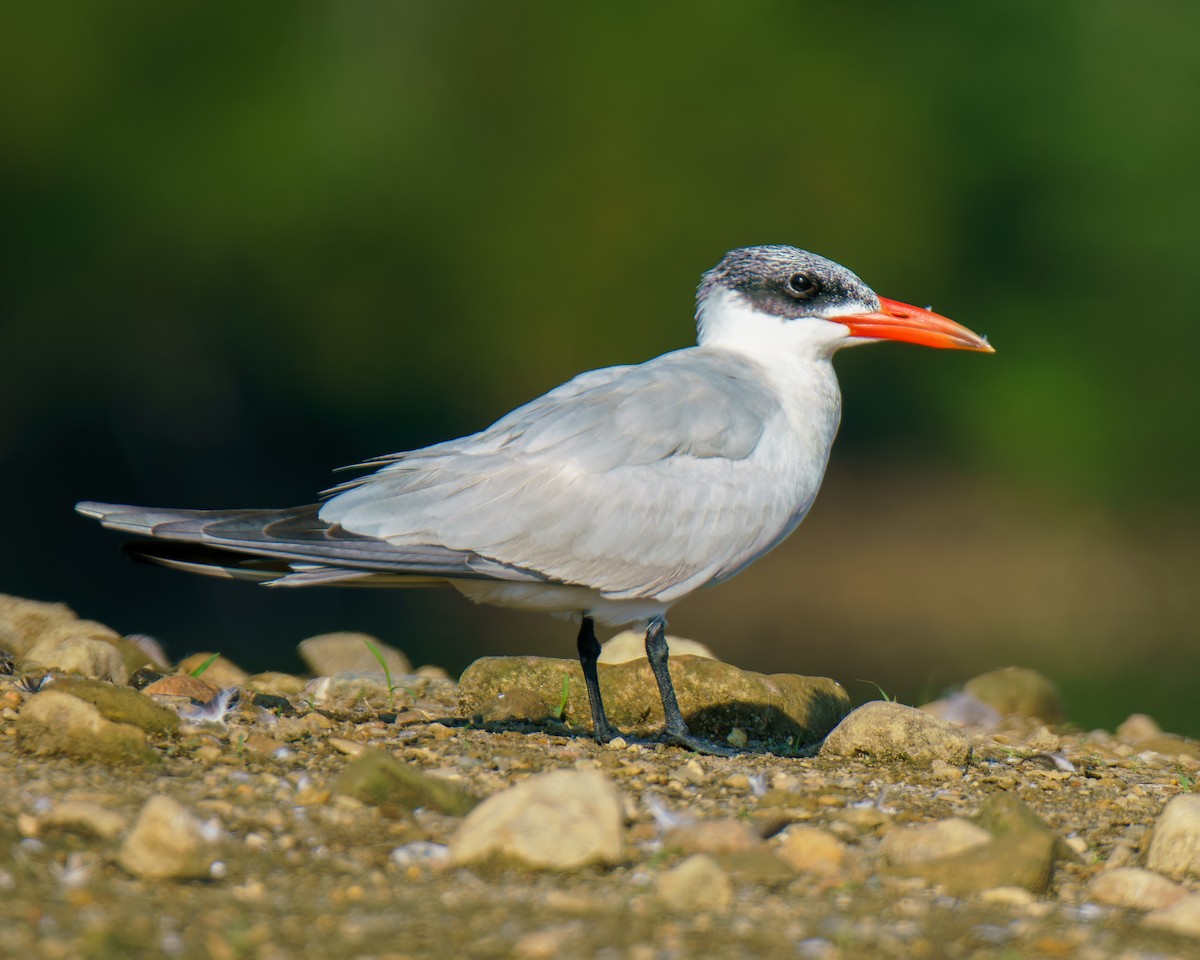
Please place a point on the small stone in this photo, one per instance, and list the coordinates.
(964, 710)
(1182, 917)
(811, 850)
(1019, 691)
(352, 687)
(168, 842)
(181, 685)
(690, 772)
(712, 836)
(376, 778)
(697, 885)
(928, 841)
(1020, 852)
(1138, 727)
(1009, 896)
(275, 684)
(1175, 844)
(82, 816)
(348, 652)
(79, 649)
(554, 821)
(1134, 888)
(737, 737)
(886, 730)
(54, 722)
(945, 771)
(121, 704)
(23, 622)
(261, 745)
(631, 645)
(222, 673)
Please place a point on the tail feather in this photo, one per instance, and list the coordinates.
(289, 547)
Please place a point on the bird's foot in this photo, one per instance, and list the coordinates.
(689, 741)
(605, 732)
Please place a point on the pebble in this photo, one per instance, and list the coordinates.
(1135, 888)
(53, 722)
(23, 622)
(181, 685)
(552, 821)
(222, 673)
(1018, 691)
(82, 653)
(886, 730)
(928, 841)
(712, 836)
(811, 850)
(348, 652)
(631, 645)
(121, 704)
(352, 687)
(694, 886)
(377, 778)
(169, 842)
(275, 684)
(83, 816)
(1182, 917)
(1175, 844)
(1137, 727)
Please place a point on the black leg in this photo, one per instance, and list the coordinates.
(676, 729)
(589, 651)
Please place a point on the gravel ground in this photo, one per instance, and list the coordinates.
(270, 853)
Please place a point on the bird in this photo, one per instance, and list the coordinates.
(611, 497)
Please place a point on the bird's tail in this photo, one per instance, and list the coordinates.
(288, 547)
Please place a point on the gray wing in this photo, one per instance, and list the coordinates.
(636, 481)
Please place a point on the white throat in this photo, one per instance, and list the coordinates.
(727, 319)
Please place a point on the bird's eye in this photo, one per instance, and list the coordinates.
(802, 287)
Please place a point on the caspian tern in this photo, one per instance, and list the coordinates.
(609, 498)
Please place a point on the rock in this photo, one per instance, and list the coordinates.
(553, 821)
(1182, 917)
(376, 778)
(1171, 745)
(1018, 690)
(631, 645)
(1020, 853)
(82, 816)
(139, 651)
(80, 647)
(275, 684)
(714, 697)
(222, 673)
(811, 850)
(121, 704)
(1137, 727)
(892, 731)
(519, 704)
(347, 652)
(181, 685)
(168, 842)
(23, 622)
(353, 687)
(698, 885)
(54, 722)
(929, 841)
(712, 836)
(1134, 888)
(964, 710)
(1175, 844)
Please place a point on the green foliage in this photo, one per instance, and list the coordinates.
(387, 673)
(199, 669)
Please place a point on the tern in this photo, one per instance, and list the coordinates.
(611, 497)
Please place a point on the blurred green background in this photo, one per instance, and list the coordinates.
(246, 243)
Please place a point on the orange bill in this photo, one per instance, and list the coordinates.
(908, 324)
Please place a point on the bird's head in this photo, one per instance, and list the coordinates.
(781, 296)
